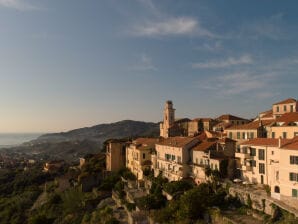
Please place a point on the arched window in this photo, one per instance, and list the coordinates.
(276, 189)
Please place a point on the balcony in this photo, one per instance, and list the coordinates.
(246, 168)
(241, 155)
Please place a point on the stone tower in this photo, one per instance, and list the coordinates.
(168, 119)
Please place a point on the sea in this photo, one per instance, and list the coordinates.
(15, 139)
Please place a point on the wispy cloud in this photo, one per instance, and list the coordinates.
(20, 5)
(231, 61)
(215, 46)
(145, 64)
(239, 83)
(171, 26)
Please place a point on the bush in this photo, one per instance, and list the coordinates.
(177, 186)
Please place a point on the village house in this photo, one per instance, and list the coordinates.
(254, 129)
(53, 166)
(138, 154)
(227, 120)
(286, 126)
(285, 106)
(173, 156)
(273, 162)
(197, 125)
(207, 154)
(116, 155)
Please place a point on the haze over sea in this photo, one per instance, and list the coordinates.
(13, 139)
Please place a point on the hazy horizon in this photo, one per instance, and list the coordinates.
(71, 64)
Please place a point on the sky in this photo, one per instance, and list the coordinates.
(67, 64)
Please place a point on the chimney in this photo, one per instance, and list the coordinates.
(279, 142)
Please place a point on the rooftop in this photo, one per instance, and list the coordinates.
(176, 141)
(252, 125)
(274, 142)
(289, 100)
(230, 117)
(288, 118)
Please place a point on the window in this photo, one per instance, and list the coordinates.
(252, 135)
(253, 163)
(277, 108)
(261, 154)
(272, 152)
(292, 108)
(284, 134)
(201, 161)
(285, 107)
(294, 193)
(262, 168)
(212, 166)
(293, 159)
(238, 135)
(243, 135)
(230, 135)
(144, 155)
(167, 156)
(276, 189)
(277, 175)
(197, 161)
(273, 135)
(179, 159)
(252, 152)
(295, 133)
(173, 157)
(216, 167)
(294, 177)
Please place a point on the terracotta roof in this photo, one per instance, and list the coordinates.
(292, 144)
(268, 114)
(230, 117)
(176, 141)
(269, 142)
(205, 119)
(288, 118)
(290, 100)
(179, 120)
(225, 139)
(146, 141)
(203, 146)
(251, 125)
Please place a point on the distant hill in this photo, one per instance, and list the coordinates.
(102, 132)
(75, 143)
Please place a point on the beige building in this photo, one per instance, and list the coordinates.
(115, 155)
(197, 125)
(285, 106)
(254, 129)
(273, 162)
(138, 155)
(206, 154)
(173, 156)
(228, 120)
(285, 126)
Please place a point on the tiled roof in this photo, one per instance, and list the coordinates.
(146, 141)
(176, 141)
(205, 119)
(285, 143)
(268, 114)
(288, 118)
(230, 117)
(225, 139)
(251, 125)
(290, 100)
(292, 144)
(203, 146)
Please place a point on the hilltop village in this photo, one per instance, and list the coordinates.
(259, 155)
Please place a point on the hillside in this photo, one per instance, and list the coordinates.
(76, 143)
(100, 133)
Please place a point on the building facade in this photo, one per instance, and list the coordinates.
(115, 155)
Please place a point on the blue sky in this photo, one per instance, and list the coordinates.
(66, 64)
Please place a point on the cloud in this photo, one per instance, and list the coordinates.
(19, 5)
(216, 46)
(171, 26)
(231, 61)
(145, 64)
(239, 83)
